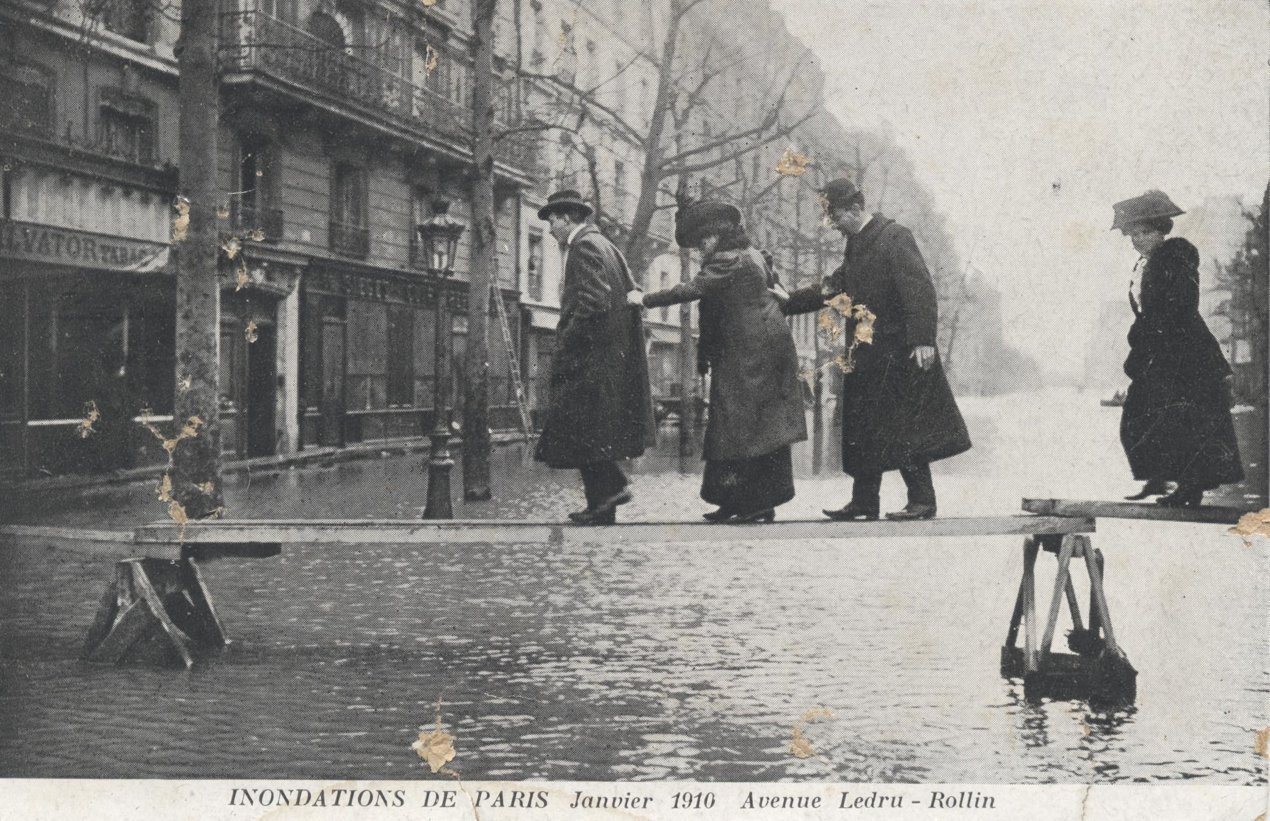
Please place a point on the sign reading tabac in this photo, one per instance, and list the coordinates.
(81, 249)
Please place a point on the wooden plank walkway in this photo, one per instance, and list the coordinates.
(65, 534)
(160, 539)
(1134, 510)
(115, 544)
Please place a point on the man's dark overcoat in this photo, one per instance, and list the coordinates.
(894, 414)
(756, 401)
(600, 402)
(1176, 421)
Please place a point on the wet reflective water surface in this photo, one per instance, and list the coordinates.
(666, 661)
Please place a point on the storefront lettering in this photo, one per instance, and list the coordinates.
(63, 246)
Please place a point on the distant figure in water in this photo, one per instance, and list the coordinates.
(1176, 425)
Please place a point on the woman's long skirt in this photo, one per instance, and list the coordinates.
(748, 485)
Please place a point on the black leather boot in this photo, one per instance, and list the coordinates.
(855, 511)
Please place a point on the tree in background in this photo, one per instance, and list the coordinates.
(483, 274)
(1245, 277)
(675, 141)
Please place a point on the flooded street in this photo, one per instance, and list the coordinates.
(667, 661)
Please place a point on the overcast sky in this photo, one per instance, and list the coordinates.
(1027, 120)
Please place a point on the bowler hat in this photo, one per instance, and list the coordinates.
(566, 200)
(1151, 205)
(840, 193)
(694, 221)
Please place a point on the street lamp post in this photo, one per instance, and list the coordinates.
(439, 235)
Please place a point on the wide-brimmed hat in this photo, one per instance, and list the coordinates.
(566, 200)
(839, 193)
(1151, 205)
(695, 220)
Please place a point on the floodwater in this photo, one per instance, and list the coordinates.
(666, 661)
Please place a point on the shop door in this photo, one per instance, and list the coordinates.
(261, 390)
(248, 378)
(233, 366)
(331, 431)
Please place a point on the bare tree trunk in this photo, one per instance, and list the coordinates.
(195, 465)
(476, 433)
(818, 385)
(687, 367)
(687, 360)
(639, 246)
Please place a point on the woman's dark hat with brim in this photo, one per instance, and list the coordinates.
(693, 222)
(839, 193)
(566, 201)
(1151, 205)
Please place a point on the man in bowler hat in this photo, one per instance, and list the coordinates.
(898, 412)
(601, 408)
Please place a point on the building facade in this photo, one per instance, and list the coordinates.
(336, 139)
(342, 122)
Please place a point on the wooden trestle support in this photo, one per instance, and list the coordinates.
(156, 610)
(1098, 668)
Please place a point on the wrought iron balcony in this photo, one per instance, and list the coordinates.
(254, 42)
(247, 219)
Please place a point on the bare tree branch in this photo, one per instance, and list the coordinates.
(587, 99)
(690, 168)
(772, 118)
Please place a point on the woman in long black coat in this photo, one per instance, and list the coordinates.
(756, 402)
(1176, 424)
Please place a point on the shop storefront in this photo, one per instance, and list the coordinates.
(86, 333)
(87, 337)
(367, 350)
(366, 347)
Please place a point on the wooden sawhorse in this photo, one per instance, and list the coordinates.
(1098, 668)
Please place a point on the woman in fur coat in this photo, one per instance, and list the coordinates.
(1176, 424)
(756, 400)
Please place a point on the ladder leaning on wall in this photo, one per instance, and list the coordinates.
(513, 364)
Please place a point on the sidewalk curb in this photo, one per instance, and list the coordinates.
(332, 455)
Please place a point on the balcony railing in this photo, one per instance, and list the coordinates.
(256, 42)
(247, 219)
(350, 240)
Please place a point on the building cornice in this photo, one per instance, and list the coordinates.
(46, 153)
(106, 42)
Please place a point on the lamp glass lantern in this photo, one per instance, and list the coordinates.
(440, 234)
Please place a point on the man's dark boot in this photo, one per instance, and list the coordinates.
(921, 494)
(864, 505)
(855, 511)
(912, 512)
